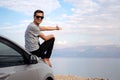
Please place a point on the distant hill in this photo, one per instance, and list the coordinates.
(109, 51)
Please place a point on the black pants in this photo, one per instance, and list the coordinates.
(45, 49)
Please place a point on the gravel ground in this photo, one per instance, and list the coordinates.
(70, 77)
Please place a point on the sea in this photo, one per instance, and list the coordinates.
(106, 68)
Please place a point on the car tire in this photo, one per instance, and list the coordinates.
(49, 78)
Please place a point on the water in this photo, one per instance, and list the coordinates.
(108, 68)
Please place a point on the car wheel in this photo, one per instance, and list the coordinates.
(49, 78)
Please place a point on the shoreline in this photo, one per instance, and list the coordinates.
(72, 77)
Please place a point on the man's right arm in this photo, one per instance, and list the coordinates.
(44, 37)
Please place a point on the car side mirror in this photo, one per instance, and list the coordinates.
(33, 59)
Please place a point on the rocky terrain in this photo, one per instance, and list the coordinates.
(70, 77)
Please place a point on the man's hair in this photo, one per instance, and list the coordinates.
(38, 11)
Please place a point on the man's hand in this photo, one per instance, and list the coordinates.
(58, 28)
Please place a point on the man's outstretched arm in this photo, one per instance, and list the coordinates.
(49, 28)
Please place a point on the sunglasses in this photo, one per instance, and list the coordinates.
(39, 17)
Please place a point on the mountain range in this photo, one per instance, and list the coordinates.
(104, 51)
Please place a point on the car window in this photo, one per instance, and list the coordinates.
(9, 56)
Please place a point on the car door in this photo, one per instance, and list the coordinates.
(13, 64)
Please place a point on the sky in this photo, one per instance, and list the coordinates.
(83, 22)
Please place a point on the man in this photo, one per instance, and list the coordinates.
(32, 34)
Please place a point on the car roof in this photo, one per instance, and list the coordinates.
(13, 42)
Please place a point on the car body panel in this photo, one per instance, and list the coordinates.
(32, 69)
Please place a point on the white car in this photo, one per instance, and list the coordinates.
(18, 64)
